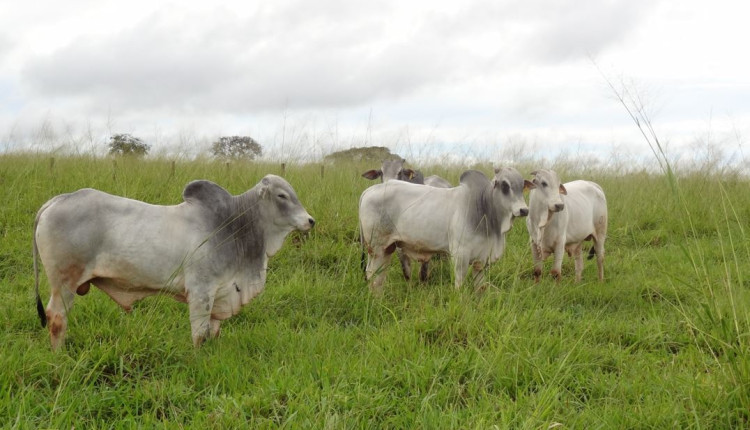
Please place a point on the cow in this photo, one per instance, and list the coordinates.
(210, 251)
(563, 216)
(394, 169)
(469, 222)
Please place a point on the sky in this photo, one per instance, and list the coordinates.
(474, 79)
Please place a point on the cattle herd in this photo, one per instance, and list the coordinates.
(212, 250)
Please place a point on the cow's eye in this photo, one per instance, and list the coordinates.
(282, 196)
(544, 184)
(505, 188)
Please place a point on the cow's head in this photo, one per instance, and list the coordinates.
(548, 194)
(511, 185)
(283, 208)
(394, 169)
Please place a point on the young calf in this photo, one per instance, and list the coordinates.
(563, 216)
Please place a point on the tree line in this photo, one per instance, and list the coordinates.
(225, 148)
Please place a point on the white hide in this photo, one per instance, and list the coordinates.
(561, 218)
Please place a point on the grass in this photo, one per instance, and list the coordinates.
(663, 343)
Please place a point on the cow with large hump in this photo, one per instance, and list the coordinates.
(394, 169)
(469, 222)
(563, 216)
(211, 251)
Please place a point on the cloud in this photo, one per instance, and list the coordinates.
(269, 60)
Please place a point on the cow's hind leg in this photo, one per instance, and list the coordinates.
(599, 249)
(60, 302)
(577, 255)
(424, 271)
(405, 264)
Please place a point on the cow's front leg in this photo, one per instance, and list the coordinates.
(536, 255)
(559, 253)
(377, 267)
(200, 305)
(215, 328)
(460, 269)
(478, 272)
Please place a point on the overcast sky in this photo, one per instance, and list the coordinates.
(477, 78)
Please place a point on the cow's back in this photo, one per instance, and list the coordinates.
(587, 207)
(99, 231)
(397, 211)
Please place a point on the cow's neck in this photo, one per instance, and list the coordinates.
(247, 227)
(494, 214)
(539, 216)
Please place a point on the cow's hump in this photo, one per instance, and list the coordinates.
(207, 194)
(475, 180)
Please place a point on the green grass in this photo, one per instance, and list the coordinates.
(663, 343)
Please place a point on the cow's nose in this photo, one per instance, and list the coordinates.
(524, 211)
(559, 207)
(312, 222)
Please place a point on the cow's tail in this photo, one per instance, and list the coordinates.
(592, 252)
(362, 258)
(35, 253)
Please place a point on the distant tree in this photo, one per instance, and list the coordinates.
(236, 148)
(125, 144)
(374, 154)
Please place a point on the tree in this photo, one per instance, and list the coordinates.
(236, 148)
(125, 144)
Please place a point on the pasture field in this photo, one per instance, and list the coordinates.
(664, 342)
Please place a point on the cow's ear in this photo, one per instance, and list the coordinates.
(497, 170)
(563, 190)
(528, 185)
(265, 184)
(534, 173)
(372, 174)
(409, 173)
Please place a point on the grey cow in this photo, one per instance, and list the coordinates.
(469, 221)
(211, 251)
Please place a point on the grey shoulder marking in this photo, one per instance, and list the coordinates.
(205, 193)
(474, 180)
(209, 196)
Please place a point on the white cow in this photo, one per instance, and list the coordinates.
(468, 221)
(394, 169)
(211, 251)
(563, 216)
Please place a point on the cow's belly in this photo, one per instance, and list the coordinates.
(126, 279)
(417, 251)
(125, 294)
